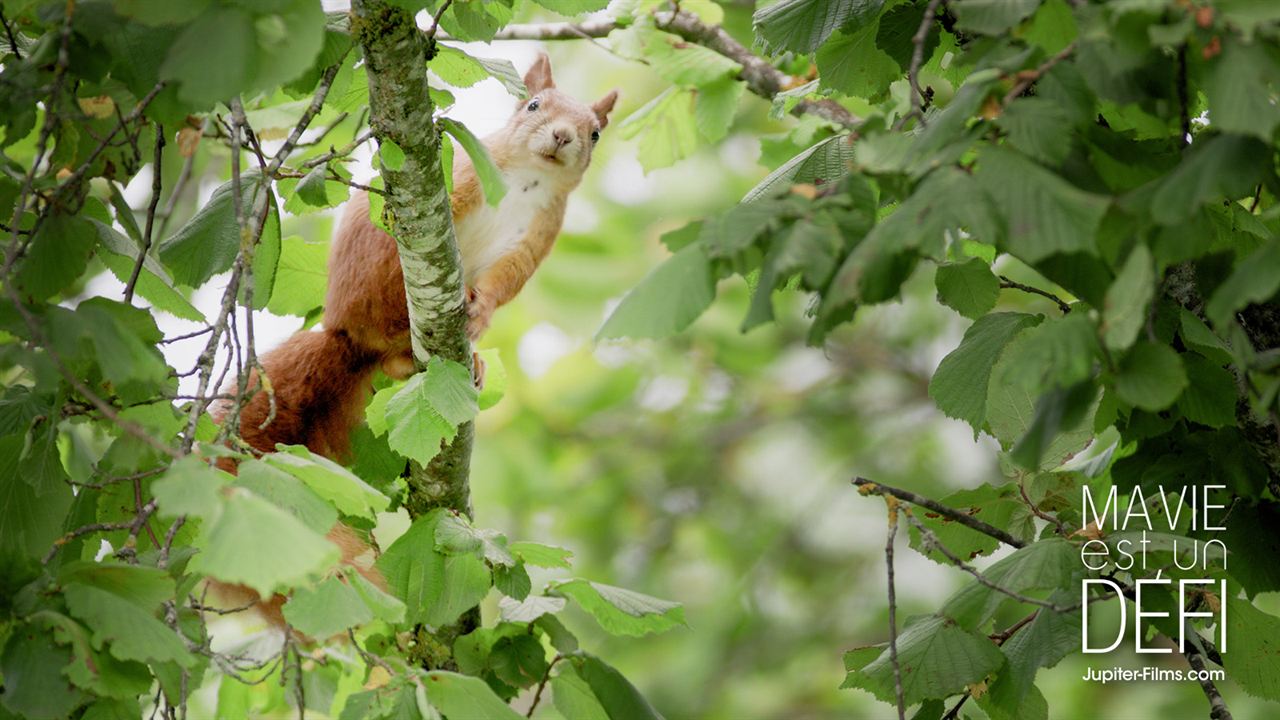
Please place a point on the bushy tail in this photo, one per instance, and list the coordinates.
(320, 381)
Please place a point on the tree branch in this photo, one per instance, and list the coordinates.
(761, 77)
(418, 213)
(867, 487)
(892, 503)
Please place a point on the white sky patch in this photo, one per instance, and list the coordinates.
(663, 393)
(541, 348)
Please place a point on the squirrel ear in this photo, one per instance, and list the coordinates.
(604, 106)
(538, 78)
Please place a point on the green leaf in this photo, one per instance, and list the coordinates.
(1151, 377)
(301, 278)
(95, 669)
(58, 256)
(1125, 311)
(803, 25)
(290, 35)
(680, 62)
(161, 12)
(959, 386)
(1222, 165)
(213, 57)
(936, 658)
(1241, 83)
(120, 604)
(1001, 507)
(619, 698)
(547, 556)
(375, 413)
(436, 588)
(853, 64)
(491, 180)
(1059, 352)
(34, 686)
(327, 609)
(336, 484)
(969, 288)
(390, 155)
(210, 241)
(119, 254)
(462, 70)
(1044, 564)
(823, 162)
(530, 608)
(992, 17)
(287, 492)
(573, 7)
(1050, 637)
(716, 106)
(1254, 279)
(312, 191)
(512, 581)
(1253, 657)
(621, 611)
(1039, 127)
(125, 338)
(386, 608)
(667, 127)
(667, 300)
(29, 522)
(232, 546)
(1210, 397)
(1197, 336)
(1044, 214)
(573, 697)
(41, 464)
(429, 408)
(495, 379)
(459, 696)
(190, 487)
(454, 534)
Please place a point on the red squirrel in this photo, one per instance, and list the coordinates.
(322, 378)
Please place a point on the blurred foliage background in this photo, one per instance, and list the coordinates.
(712, 468)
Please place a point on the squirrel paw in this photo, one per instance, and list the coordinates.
(479, 312)
(478, 370)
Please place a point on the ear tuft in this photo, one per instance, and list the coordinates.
(604, 106)
(538, 78)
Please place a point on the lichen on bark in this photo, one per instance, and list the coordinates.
(416, 211)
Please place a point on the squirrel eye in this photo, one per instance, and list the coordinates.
(595, 135)
(533, 105)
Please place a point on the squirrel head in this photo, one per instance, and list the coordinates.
(550, 130)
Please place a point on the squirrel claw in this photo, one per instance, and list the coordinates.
(479, 313)
(478, 368)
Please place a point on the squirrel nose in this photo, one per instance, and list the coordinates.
(562, 136)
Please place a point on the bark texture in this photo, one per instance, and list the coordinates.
(417, 215)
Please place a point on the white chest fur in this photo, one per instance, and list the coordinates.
(489, 232)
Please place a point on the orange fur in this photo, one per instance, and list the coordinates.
(321, 378)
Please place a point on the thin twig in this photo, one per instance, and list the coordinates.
(8, 31)
(1217, 705)
(1007, 284)
(546, 676)
(435, 20)
(892, 503)
(1027, 77)
(867, 487)
(156, 181)
(761, 77)
(931, 541)
(918, 42)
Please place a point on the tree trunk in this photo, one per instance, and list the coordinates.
(417, 214)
